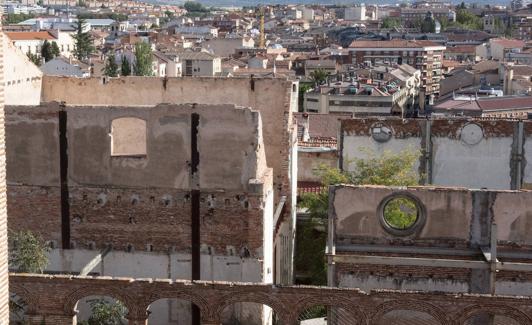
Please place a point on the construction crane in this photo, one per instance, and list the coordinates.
(262, 38)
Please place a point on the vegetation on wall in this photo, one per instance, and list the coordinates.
(390, 169)
(104, 312)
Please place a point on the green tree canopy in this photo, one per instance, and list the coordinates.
(143, 60)
(106, 313)
(34, 58)
(390, 169)
(125, 67)
(28, 253)
(46, 51)
(83, 46)
(193, 6)
(319, 76)
(55, 49)
(111, 68)
(390, 22)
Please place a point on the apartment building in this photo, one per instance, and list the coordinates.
(423, 55)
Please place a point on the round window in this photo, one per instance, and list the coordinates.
(401, 214)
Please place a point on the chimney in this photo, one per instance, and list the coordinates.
(306, 134)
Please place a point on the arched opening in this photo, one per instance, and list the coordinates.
(327, 315)
(18, 308)
(128, 137)
(407, 317)
(170, 312)
(484, 318)
(249, 313)
(94, 310)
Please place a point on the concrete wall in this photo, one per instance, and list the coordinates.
(457, 152)
(22, 78)
(457, 224)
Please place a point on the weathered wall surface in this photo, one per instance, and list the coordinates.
(271, 97)
(4, 296)
(142, 202)
(455, 224)
(454, 152)
(448, 216)
(309, 162)
(23, 79)
(52, 299)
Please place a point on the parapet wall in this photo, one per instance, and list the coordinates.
(52, 299)
(448, 246)
(473, 153)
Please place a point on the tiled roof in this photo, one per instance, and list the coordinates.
(392, 44)
(196, 56)
(490, 103)
(321, 125)
(508, 43)
(26, 36)
(496, 103)
(461, 49)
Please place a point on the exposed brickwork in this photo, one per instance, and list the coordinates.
(51, 300)
(232, 222)
(402, 272)
(35, 208)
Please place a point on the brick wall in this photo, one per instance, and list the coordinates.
(52, 299)
(141, 203)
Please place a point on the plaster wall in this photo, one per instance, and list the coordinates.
(274, 98)
(22, 78)
(471, 153)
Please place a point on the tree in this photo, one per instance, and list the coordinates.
(125, 68)
(106, 313)
(143, 60)
(319, 76)
(111, 68)
(390, 169)
(83, 47)
(193, 6)
(34, 58)
(55, 49)
(468, 20)
(28, 253)
(390, 22)
(46, 51)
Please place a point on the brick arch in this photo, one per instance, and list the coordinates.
(75, 296)
(199, 301)
(26, 295)
(253, 297)
(502, 310)
(414, 305)
(328, 301)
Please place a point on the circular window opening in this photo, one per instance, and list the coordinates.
(381, 132)
(401, 214)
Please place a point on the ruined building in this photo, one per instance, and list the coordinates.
(176, 191)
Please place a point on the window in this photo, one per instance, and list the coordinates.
(401, 214)
(128, 137)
